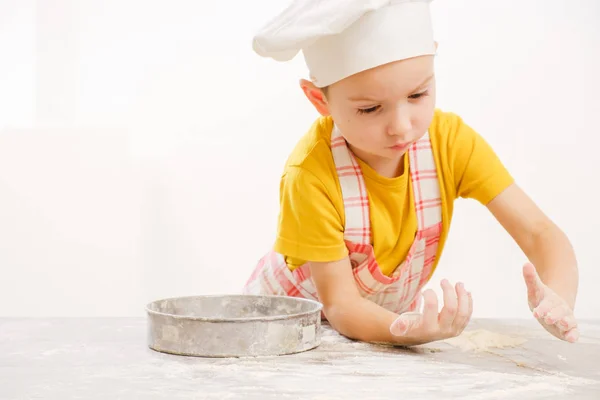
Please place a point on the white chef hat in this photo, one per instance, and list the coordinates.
(340, 38)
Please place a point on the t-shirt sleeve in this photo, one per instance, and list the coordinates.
(478, 171)
(310, 227)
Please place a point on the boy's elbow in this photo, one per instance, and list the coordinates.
(333, 312)
(342, 317)
(343, 305)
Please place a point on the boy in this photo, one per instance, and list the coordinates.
(367, 194)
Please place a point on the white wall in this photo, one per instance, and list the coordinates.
(118, 120)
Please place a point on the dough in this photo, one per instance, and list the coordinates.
(482, 340)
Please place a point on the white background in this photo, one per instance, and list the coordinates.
(120, 119)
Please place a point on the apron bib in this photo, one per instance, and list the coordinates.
(399, 292)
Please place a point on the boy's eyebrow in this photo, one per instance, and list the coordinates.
(426, 81)
(367, 98)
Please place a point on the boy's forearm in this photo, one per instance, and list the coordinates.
(364, 320)
(553, 256)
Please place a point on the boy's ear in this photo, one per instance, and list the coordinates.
(315, 96)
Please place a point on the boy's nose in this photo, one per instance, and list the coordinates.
(400, 126)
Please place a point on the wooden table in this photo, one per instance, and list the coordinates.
(108, 359)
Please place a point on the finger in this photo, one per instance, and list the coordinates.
(534, 284)
(567, 323)
(463, 314)
(545, 306)
(398, 327)
(405, 323)
(450, 308)
(430, 310)
(470, 305)
(572, 336)
(556, 314)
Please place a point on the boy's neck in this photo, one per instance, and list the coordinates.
(389, 168)
(386, 167)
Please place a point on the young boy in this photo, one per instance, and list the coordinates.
(367, 194)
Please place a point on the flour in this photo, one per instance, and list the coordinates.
(482, 340)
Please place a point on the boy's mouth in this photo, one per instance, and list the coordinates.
(400, 146)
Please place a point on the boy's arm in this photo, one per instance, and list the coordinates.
(552, 284)
(358, 318)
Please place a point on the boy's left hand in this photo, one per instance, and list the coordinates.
(555, 315)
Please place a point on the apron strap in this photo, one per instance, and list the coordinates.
(357, 227)
(424, 179)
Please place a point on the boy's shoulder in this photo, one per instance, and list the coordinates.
(313, 149)
(444, 123)
(448, 130)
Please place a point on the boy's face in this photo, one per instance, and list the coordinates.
(381, 111)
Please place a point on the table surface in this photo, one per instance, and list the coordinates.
(109, 359)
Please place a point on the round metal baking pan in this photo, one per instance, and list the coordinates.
(234, 325)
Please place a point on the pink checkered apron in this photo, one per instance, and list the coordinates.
(399, 292)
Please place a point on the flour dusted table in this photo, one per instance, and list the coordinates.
(108, 359)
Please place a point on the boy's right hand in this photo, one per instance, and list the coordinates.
(432, 326)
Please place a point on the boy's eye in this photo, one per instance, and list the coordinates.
(368, 110)
(417, 95)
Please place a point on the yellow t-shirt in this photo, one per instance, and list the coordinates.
(311, 219)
